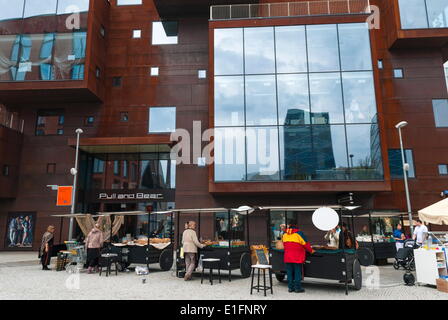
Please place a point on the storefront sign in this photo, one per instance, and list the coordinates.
(138, 195)
(130, 196)
(64, 196)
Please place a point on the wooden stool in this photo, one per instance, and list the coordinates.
(211, 264)
(264, 287)
(109, 258)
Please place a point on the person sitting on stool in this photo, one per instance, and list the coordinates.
(296, 245)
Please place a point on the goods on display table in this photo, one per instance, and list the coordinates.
(225, 232)
(326, 263)
(376, 234)
(431, 263)
(154, 247)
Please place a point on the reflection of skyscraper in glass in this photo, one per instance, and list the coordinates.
(308, 150)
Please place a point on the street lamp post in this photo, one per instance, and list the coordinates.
(74, 172)
(400, 125)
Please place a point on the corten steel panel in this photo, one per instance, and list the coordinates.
(300, 186)
(88, 89)
(10, 151)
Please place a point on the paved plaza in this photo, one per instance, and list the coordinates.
(21, 278)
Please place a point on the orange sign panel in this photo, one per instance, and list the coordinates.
(64, 196)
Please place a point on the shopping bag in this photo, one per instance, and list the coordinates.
(182, 253)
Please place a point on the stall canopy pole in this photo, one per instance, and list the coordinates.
(247, 227)
(343, 254)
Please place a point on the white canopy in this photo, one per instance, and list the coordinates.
(436, 213)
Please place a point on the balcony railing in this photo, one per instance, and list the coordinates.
(11, 120)
(289, 9)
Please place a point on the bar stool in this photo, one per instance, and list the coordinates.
(211, 263)
(109, 258)
(258, 268)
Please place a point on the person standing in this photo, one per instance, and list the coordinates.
(295, 246)
(420, 233)
(12, 232)
(399, 237)
(46, 247)
(190, 245)
(332, 237)
(26, 230)
(94, 243)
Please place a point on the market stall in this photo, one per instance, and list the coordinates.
(328, 263)
(226, 234)
(376, 234)
(431, 260)
(151, 242)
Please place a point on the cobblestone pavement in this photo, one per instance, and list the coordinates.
(21, 278)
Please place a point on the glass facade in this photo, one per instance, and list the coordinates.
(42, 41)
(295, 103)
(396, 163)
(440, 109)
(423, 14)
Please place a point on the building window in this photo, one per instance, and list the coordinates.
(102, 31)
(116, 81)
(162, 119)
(125, 168)
(88, 121)
(443, 169)
(51, 168)
(136, 34)
(50, 122)
(423, 14)
(380, 64)
(202, 74)
(165, 32)
(154, 71)
(398, 73)
(98, 72)
(98, 166)
(5, 170)
(396, 163)
(124, 117)
(128, 2)
(294, 102)
(440, 109)
(116, 167)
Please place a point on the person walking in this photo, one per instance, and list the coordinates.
(190, 244)
(94, 243)
(46, 247)
(296, 245)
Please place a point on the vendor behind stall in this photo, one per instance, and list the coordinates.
(364, 231)
(332, 237)
(190, 244)
(349, 240)
(420, 233)
(296, 245)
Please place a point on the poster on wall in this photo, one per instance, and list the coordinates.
(20, 230)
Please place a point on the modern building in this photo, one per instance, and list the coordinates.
(303, 96)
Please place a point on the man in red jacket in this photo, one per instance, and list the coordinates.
(296, 245)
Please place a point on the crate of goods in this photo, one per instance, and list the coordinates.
(442, 285)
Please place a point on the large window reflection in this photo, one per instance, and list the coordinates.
(229, 101)
(293, 99)
(261, 103)
(359, 97)
(262, 154)
(290, 44)
(354, 44)
(326, 98)
(311, 112)
(228, 51)
(422, 14)
(230, 154)
(323, 52)
(259, 50)
(437, 13)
